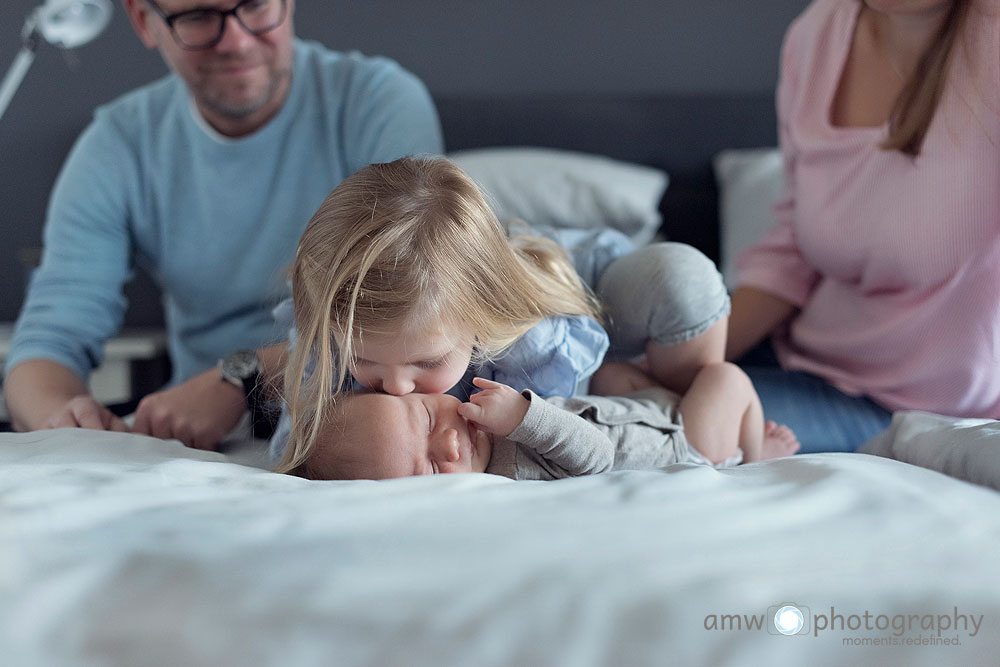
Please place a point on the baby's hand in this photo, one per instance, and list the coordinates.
(497, 409)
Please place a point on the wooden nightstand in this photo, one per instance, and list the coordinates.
(135, 363)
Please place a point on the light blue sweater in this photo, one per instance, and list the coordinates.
(214, 220)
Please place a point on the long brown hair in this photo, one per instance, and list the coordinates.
(401, 245)
(916, 104)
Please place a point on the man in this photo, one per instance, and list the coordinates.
(206, 177)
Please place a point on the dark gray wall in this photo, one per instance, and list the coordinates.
(455, 46)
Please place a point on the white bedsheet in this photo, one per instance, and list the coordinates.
(123, 550)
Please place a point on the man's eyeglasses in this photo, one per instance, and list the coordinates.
(202, 27)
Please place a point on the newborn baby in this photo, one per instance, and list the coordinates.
(521, 436)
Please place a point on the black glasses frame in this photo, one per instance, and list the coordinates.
(169, 19)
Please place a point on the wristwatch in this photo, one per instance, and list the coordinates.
(242, 369)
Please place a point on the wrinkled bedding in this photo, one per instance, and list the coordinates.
(118, 549)
(967, 449)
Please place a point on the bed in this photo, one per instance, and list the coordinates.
(117, 549)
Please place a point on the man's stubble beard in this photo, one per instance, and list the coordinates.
(220, 105)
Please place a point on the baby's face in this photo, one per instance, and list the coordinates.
(401, 436)
(425, 361)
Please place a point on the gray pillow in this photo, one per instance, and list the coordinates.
(567, 189)
(750, 181)
(968, 449)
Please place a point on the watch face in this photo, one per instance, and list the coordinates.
(241, 364)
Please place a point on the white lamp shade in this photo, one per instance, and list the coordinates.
(72, 23)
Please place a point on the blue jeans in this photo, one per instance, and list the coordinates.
(823, 418)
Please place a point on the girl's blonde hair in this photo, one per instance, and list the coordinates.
(914, 109)
(402, 246)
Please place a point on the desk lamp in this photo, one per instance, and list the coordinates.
(63, 23)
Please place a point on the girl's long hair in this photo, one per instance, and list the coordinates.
(403, 246)
(917, 102)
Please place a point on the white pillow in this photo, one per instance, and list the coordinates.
(568, 189)
(968, 449)
(750, 181)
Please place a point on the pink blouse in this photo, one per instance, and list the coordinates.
(894, 262)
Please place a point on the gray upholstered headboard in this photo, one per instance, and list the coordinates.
(679, 134)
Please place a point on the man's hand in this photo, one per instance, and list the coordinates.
(84, 412)
(497, 409)
(199, 412)
(44, 394)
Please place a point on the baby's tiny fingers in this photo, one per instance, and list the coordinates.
(479, 397)
(470, 410)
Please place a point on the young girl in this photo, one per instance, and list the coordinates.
(404, 277)
(522, 436)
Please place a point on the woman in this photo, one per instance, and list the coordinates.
(880, 281)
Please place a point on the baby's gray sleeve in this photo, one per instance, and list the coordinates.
(564, 439)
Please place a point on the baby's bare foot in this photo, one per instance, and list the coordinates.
(779, 440)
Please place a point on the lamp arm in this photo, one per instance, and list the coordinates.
(64, 23)
(15, 74)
